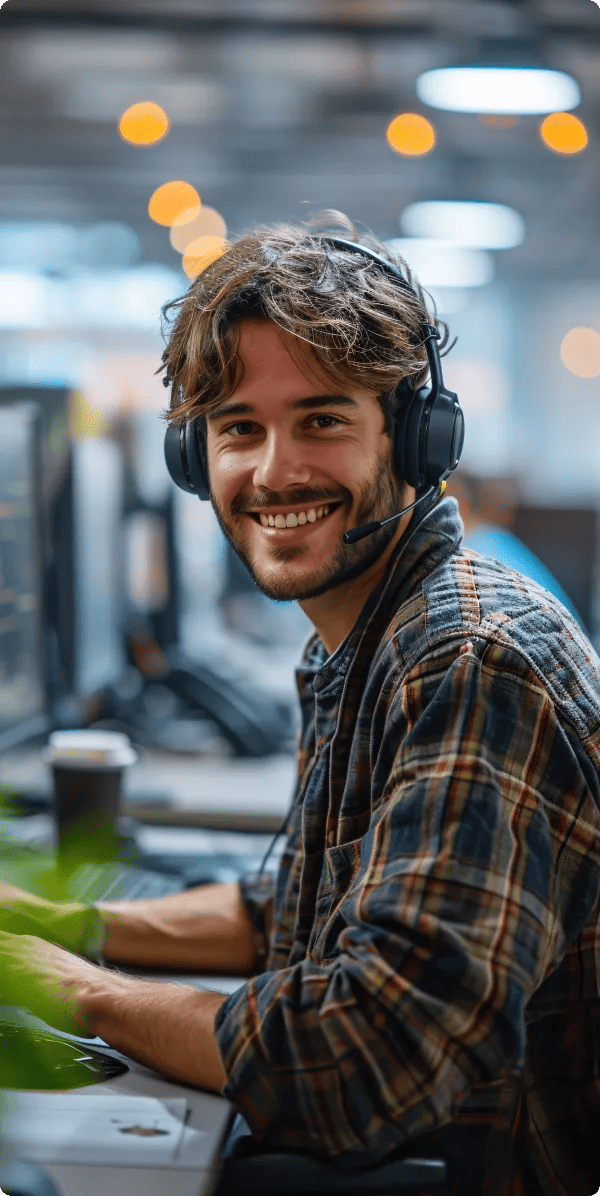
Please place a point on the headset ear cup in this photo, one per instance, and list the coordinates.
(443, 435)
(429, 438)
(197, 459)
(175, 457)
(186, 459)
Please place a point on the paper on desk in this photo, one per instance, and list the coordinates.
(57, 1127)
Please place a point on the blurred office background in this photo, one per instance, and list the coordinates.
(134, 140)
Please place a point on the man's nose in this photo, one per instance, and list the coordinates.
(280, 463)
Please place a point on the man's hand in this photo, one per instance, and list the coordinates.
(38, 976)
(71, 924)
(167, 1027)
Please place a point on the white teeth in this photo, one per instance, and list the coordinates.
(293, 520)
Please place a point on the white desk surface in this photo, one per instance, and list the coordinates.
(207, 1111)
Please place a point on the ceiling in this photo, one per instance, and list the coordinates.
(279, 108)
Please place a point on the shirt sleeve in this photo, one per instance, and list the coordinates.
(256, 891)
(478, 869)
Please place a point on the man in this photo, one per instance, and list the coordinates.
(434, 924)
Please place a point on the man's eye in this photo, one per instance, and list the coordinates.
(246, 428)
(330, 420)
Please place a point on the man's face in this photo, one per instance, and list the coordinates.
(291, 445)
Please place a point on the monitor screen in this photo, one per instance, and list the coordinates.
(56, 497)
(566, 540)
(22, 679)
(81, 494)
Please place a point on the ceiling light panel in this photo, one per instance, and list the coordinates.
(39, 246)
(440, 264)
(498, 89)
(102, 299)
(462, 222)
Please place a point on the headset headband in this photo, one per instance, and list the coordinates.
(356, 247)
(428, 430)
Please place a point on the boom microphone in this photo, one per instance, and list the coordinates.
(367, 529)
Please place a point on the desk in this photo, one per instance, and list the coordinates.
(245, 795)
(207, 1111)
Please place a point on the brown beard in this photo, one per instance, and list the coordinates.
(378, 499)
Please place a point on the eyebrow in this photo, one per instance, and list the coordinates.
(307, 404)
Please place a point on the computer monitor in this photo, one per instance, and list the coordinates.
(57, 532)
(22, 656)
(566, 540)
(150, 582)
(80, 483)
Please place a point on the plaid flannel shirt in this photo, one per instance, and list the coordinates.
(434, 921)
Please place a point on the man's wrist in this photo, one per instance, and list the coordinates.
(169, 1028)
(93, 934)
(99, 996)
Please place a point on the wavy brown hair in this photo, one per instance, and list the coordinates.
(359, 322)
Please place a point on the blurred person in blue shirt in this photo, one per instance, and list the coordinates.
(486, 508)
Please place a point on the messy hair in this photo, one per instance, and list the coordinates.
(356, 318)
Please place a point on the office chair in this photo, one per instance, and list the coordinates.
(471, 1156)
(164, 686)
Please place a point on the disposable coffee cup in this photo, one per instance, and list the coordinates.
(87, 770)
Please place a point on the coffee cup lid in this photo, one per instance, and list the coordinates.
(90, 749)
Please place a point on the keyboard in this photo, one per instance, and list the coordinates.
(161, 860)
(121, 882)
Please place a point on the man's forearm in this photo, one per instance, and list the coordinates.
(167, 1027)
(200, 930)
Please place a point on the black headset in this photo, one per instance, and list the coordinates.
(428, 423)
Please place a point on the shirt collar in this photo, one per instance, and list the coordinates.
(426, 543)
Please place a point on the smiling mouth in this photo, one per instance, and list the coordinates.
(293, 519)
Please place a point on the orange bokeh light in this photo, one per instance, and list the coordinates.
(188, 214)
(564, 133)
(201, 253)
(170, 200)
(143, 124)
(580, 352)
(194, 223)
(411, 134)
